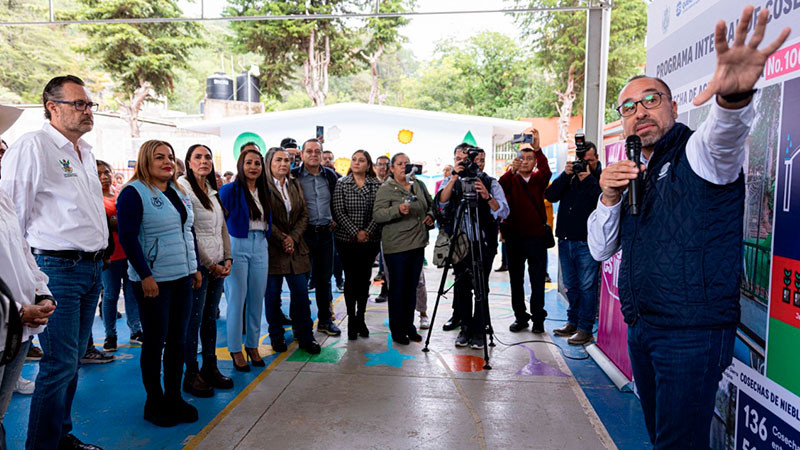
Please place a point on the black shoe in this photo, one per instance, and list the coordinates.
(462, 340)
(402, 340)
(518, 326)
(363, 331)
(137, 338)
(477, 341)
(378, 277)
(340, 286)
(156, 413)
(285, 320)
(381, 298)
(195, 385)
(537, 327)
(182, 411)
(110, 344)
(547, 278)
(279, 346)
(503, 268)
(70, 442)
(329, 328)
(34, 353)
(213, 376)
(414, 336)
(95, 356)
(451, 324)
(311, 347)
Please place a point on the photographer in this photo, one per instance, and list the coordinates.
(577, 188)
(492, 207)
(525, 233)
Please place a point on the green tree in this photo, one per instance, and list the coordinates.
(320, 47)
(382, 34)
(142, 58)
(489, 74)
(559, 41)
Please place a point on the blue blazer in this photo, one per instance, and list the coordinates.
(238, 219)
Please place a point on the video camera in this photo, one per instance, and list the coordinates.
(469, 168)
(579, 165)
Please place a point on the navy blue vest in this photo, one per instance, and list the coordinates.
(681, 258)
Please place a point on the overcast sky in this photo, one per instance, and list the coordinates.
(424, 31)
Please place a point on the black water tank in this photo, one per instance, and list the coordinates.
(247, 88)
(219, 87)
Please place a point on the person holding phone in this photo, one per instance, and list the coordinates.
(405, 209)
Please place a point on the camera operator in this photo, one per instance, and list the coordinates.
(492, 207)
(577, 190)
(290, 145)
(524, 231)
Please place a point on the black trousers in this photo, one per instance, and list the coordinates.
(320, 244)
(164, 323)
(404, 268)
(463, 292)
(357, 259)
(533, 251)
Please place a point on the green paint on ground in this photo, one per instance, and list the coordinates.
(328, 355)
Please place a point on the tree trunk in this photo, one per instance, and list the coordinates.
(564, 108)
(132, 109)
(315, 70)
(374, 93)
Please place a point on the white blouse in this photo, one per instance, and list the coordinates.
(258, 225)
(283, 189)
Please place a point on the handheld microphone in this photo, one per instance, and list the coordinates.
(633, 148)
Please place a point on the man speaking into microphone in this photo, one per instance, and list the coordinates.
(681, 255)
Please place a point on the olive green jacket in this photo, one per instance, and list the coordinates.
(402, 232)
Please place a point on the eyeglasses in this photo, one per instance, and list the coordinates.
(79, 105)
(649, 101)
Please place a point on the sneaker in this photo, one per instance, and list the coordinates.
(476, 342)
(424, 322)
(95, 356)
(329, 328)
(518, 326)
(24, 387)
(34, 354)
(461, 340)
(136, 338)
(110, 344)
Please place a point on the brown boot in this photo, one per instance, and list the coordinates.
(580, 338)
(566, 331)
(195, 385)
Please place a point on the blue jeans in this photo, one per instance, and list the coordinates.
(320, 245)
(114, 278)
(677, 372)
(164, 322)
(404, 268)
(245, 288)
(203, 319)
(579, 274)
(76, 287)
(299, 307)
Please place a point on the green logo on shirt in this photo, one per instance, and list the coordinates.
(65, 166)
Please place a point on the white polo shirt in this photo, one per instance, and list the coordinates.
(57, 197)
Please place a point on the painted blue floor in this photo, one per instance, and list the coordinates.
(107, 410)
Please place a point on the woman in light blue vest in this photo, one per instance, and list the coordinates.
(155, 221)
(249, 221)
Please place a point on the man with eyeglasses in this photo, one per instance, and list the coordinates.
(318, 184)
(51, 176)
(681, 257)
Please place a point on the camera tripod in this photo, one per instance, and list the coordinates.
(468, 222)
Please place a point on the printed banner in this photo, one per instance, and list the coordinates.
(612, 332)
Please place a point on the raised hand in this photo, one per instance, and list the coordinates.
(739, 67)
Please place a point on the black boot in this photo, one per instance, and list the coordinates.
(155, 412)
(353, 325)
(212, 375)
(194, 384)
(363, 331)
(182, 411)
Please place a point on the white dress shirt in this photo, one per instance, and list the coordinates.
(18, 269)
(715, 153)
(57, 197)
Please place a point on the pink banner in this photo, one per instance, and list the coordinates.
(612, 333)
(785, 60)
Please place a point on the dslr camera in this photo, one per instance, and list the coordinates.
(468, 168)
(579, 165)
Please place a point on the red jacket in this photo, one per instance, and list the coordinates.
(527, 218)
